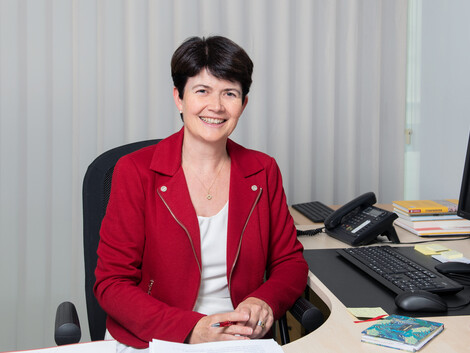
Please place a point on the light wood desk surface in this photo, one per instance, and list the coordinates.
(340, 334)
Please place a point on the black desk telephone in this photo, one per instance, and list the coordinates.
(359, 223)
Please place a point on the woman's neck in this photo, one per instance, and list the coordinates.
(207, 172)
(204, 155)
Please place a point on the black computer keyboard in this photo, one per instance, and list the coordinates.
(398, 272)
(314, 210)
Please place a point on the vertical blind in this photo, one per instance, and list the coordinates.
(78, 77)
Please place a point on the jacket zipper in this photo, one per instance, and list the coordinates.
(241, 237)
(150, 286)
(190, 241)
(184, 228)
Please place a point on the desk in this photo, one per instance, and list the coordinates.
(340, 334)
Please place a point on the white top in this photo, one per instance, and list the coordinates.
(214, 296)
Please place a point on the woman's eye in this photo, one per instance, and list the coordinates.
(232, 94)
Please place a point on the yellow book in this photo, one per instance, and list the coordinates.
(415, 207)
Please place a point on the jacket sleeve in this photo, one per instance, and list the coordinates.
(287, 269)
(118, 288)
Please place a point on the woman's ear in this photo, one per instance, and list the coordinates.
(178, 101)
(245, 102)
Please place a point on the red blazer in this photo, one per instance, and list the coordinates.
(149, 266)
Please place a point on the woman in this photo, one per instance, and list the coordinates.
(197, 229)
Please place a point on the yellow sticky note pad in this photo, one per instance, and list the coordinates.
(437, 247)
(366, 313)
(452, 254)
(430, 249)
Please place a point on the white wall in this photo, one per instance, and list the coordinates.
(441, 119)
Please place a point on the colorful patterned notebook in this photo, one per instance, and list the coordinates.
(402, 332)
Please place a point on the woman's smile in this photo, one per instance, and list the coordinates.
(216, 121)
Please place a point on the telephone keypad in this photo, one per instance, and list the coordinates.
(361, 221)
(357, 223)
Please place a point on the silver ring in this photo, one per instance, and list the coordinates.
(261, 323)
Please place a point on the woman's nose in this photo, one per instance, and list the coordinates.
(216, 103)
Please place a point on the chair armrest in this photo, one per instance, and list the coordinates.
(67, 326)
(309, 316)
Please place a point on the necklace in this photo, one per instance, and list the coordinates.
(208, 189)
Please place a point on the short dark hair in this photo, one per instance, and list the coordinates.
(222, 57)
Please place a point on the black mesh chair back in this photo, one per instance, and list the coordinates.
(96, 190)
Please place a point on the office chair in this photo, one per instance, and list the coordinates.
(96, 190)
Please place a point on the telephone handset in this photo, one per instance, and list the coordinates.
(359, 222)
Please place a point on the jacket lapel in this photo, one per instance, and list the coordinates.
(172, 187)
(178, 201)
(244, 191)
